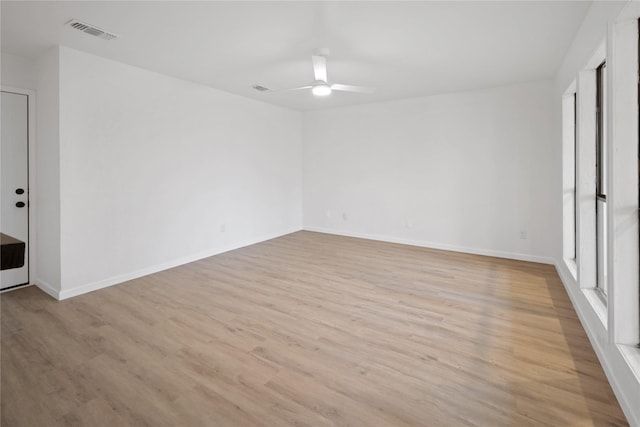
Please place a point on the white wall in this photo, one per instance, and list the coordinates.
(464, 171)
(153, 169)
(48, 173)
(17, 71)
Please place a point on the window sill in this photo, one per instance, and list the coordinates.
(595, 299)
(571, 265)
(631, 355)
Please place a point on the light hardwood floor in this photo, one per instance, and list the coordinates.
(308, 330)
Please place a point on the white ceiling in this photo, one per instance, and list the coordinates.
(405, 49)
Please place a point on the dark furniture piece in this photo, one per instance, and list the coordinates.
(11, 252)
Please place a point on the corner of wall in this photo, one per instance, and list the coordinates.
(47, 288)
(48, 172)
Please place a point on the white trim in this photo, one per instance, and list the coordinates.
(79, 290)
(47, 288)
(31, 146)
(596, 299)
(598, 56)
(569, 190)
(622, 197)
(626, 396)
(572, 266)
(631, 355)
(441, 246)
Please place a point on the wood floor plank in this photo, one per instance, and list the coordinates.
(308, 330)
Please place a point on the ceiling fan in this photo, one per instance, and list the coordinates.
(321, 86)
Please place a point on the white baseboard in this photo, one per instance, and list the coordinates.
(47, 288)
(606, 356)
(79, 290)
(431, 245)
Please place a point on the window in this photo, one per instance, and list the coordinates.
(575, 176)
(601, 179)
(569, 178)
(608, 191)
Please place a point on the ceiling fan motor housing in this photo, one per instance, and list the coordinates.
(320, 88)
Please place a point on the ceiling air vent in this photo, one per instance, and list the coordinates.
(260, 88)
(90, 29)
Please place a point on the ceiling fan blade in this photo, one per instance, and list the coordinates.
(351, 88)
(320, 67)
(289, 89)
(298, 88)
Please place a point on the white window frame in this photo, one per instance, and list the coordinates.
(569, 199)
(622, 200)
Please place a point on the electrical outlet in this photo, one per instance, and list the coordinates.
(523, 235)
(344, 216)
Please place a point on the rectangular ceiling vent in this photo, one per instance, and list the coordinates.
(260, 88)
(90, 29)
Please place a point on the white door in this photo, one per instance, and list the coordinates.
(14, 180)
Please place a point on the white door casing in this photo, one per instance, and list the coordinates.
(14, 158)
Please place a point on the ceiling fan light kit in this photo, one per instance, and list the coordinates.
(321, 86)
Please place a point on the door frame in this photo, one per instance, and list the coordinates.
(31, 162)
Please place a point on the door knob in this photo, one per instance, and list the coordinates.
(20, 205)
(19, 191)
